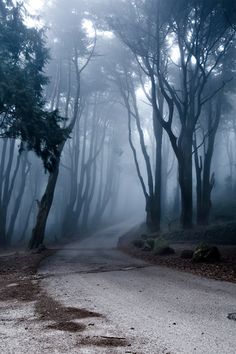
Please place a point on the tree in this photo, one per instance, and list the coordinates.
(23, 56)
(125, 75)
(198, 30)
(73, 40)
(23, 116)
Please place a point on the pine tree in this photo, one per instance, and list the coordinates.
(23, 56)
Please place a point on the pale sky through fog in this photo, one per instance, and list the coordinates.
(34, 5)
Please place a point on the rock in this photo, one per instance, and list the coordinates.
(206, 253)
(187, 254)
(232, 316)
(164, 251)
(147, 247)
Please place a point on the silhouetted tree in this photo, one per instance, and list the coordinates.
(23, 116)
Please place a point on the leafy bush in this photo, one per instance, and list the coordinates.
(160, 242)
(162, 247)
(151, 243)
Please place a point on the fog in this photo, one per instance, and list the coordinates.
(145, 97)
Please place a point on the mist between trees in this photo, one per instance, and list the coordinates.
(115, 110)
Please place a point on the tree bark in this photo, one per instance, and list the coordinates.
(158, 132)
(206, 179)
(186, 181)
(18, 200)
(198, 169)
(44, 208)
(7, 184)
(3, 220)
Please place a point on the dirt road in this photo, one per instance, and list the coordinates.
(146, 309)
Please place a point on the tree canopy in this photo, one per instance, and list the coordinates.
(23, 113)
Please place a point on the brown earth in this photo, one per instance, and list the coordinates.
(18, 279)
(221, 235)
(19, 283)
(224, 270)
(104, 341)
(67, 326)
(49, 309)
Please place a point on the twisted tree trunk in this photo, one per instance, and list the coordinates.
(45, 204)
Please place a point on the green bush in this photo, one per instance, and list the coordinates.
(151, 243)
(162, 248)
(160, 243)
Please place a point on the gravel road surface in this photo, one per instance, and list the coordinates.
(156, 310)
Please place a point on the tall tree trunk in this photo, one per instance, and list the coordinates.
(27, 219)
(45, 204)
(18, 200)
(158, 132)
(2, 209)
(7, 185)
(3, 221)
(153, 191)
(177, 199)
(186, 181)
(208, 179)
(198, 169)
(97, 212)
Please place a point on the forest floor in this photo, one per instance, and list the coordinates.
(18, 275)
(224, 270)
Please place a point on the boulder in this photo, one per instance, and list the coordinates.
(206, 253)
(147, 247)
(232, 316)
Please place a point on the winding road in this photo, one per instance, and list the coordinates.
(156, 310)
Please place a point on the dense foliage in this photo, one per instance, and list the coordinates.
(23, 116)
